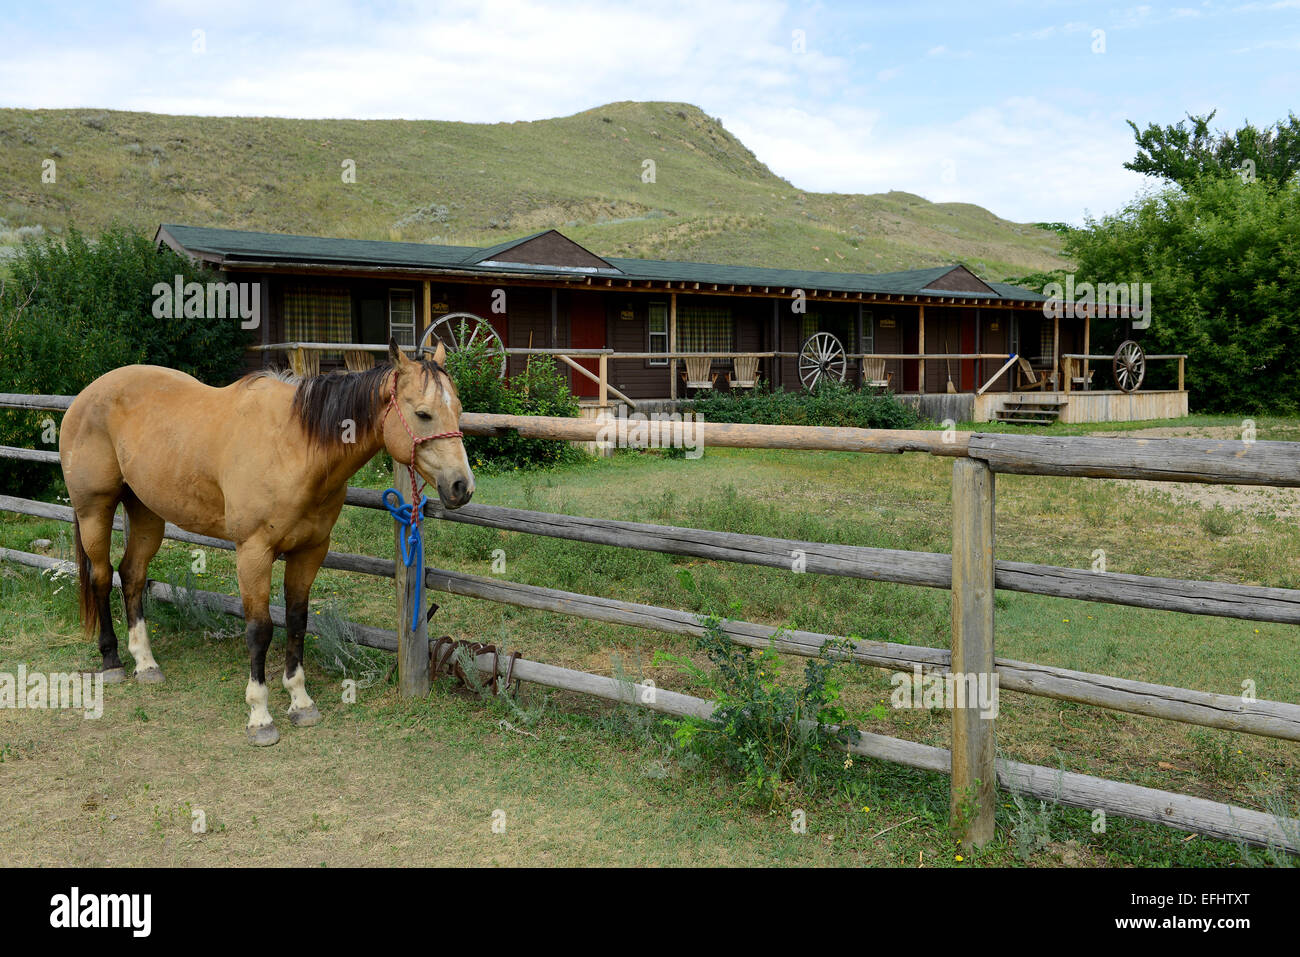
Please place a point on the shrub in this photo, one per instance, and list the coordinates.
(540, 389)
(760, 724)
(76, 309)
(831, 404)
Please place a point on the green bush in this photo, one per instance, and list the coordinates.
(773, 732)
(74, 309)
(540, 389)
(831, 404)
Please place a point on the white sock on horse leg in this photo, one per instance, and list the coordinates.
(296, 685)
(137, 642)
(257, 696)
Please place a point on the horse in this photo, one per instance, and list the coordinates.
(262, 462)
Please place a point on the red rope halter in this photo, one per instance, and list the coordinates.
(415, 442)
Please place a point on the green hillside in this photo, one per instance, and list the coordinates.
(431, 181)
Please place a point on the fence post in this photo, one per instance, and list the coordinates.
(604, 380)
(412, 646)
(974, 769)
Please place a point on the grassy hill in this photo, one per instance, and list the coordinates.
(432, 181)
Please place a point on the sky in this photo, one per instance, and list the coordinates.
(1018, 107)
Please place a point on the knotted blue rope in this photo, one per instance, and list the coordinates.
(408, 518)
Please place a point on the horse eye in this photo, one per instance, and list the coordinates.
(424, 416)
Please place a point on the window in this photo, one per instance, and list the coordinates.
(658, 326)
(401, 316)
(704, 329)
(318, 314)
(1047, 343)
(868, 343)
(809, 326)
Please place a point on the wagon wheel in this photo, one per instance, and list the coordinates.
(460, 330)
(822, 357)
(1130, 366)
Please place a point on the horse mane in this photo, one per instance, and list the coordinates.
(321, 403)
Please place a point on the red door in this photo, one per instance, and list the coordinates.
(967, 321)
(586, 331)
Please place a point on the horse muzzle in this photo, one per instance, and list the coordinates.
(456, 493)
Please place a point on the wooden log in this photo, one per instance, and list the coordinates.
(928, 569)
(1079, 790)
(973, 797)
(732, 435)
(1159, 460)
(412, 643)
(19, 400)
(29, 455)
(1267, 718)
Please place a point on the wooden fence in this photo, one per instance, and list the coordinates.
(971, 572)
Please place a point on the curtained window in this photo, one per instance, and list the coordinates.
(1046, 340)
(704, 329)
(318, 314)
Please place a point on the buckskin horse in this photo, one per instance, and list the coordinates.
(264, 463)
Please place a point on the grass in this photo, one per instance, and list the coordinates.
(392, 781)
(471, 183)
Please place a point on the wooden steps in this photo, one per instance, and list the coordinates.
(1031, 411)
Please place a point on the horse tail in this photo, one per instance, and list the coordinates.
(89, 608)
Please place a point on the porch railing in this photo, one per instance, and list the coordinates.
(299, 352)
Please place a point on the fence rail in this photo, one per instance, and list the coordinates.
(971, 572)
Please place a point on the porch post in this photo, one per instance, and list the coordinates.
(672, 345)
(427, 318)
(776, 343)
(1056, 353)
(858, 346)
(920, 347)
(1087, 346)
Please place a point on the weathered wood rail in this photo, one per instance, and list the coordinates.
(971, 572)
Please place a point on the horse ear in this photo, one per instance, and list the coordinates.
(440, 354)
(395, 352)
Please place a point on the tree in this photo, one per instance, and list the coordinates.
(1181, 154)
(77, 308)
(1223, 259)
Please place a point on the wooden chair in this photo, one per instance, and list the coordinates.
(358, 360)
(745, 372)
(699, 372)
(874, 375)
(1072, 381)
(304, 362)
(1033, 379)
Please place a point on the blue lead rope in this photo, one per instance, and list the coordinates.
(412, 540)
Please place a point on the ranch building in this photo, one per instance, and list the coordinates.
(649, 333)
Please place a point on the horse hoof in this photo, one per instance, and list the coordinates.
(305, 717)
(114, 676)
(263, 737)
(150, 676)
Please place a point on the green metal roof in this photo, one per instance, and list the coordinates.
(279, 247)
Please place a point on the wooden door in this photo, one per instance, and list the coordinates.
(586, 331)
